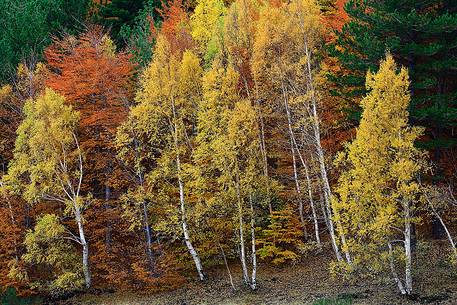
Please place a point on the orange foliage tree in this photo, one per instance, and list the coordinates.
(98, 82)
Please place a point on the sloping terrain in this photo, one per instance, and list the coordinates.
(435, 283)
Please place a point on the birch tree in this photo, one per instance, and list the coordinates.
(283, 69)
(48, 163)
(170, 90)
(243, 164)
(229, 158)
(440, 200)
(137, 153)
(378, 192)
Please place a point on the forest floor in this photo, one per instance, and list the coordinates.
(306, 282)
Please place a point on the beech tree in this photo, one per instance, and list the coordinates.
(378, 192)
(48, 163)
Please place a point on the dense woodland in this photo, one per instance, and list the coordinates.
(145, 142)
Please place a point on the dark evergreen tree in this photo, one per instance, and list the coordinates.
(139, 36)
(27, 27)
(119, 13)
(421, 35)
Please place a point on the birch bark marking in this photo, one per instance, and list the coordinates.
(241, 230)
(82, 238)
(294, 163)
(394, 273)
(321, 160)
(408, 254)
(438, 216)
(78, 218)
(254, 254)
(185, 229)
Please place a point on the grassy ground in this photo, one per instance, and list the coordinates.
(307, 282)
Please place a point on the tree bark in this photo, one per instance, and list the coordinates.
(241, 230)
(148, 235)
(448, 233)
(394, 273)
(321, 161)
(294, 162)
(227, 266)
(84, 244)
(254, 254)
(298, 190)
(313, 208)
(408, 253)
(185, 229)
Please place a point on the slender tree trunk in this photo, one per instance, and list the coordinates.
(443, 225)
(322, 203)
(227, 266)
(311, 199)
(185, 229)
(408, 253)
(148, 235)
(394, 273)
(294, 162)
(263, 149)
(254, 254)
(241, 230)
(321, 161)
(84, 244)
(313, 208)
(448, 234)
(298, 190)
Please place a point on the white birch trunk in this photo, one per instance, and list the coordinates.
(313, 208)
(241, 231)
(298, 190)
(448, 234)
(190, 247)
(227, 266)
(84, 244)
(148, 235)
(408, 254)
(79, 220)
(294, 163)
(254, 254)
(394, 273)
(321, 161)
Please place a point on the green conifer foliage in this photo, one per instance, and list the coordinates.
(421, 35)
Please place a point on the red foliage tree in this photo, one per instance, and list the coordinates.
(175, 26)
(98, 82)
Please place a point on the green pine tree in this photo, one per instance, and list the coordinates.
(121, 14)
(27, 28)
(422, 36)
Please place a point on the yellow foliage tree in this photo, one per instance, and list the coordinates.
(48, 163)
(378, 191)
(207, 26)
(168, 97)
